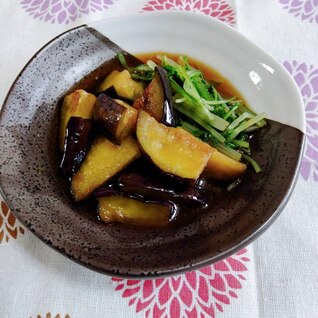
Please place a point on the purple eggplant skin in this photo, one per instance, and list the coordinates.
(143, 179)
(109, 191)
(155, 188)
(106, 109)
(78, 141)
(107, 114)
(111, 92)
(168, 117)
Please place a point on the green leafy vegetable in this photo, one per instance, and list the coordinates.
(142, 72)
(203, 111)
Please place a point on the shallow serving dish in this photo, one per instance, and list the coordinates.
(37, 194)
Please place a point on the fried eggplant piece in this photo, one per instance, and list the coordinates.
(173, 150)
(156, 99)
(116, 119)
(157, 186)
(79, 104)
(123, 84)
(118, 208)
(79, 138)
(102, 162)
(223, 168)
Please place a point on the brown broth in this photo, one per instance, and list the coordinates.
(223, 85)
(91, 81)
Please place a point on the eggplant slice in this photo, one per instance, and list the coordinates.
(79, 138)
(116, 206)
(103, 161)
(116, 119)
(144, 179)
(168, 117)
(79, 103)
(173, 150)
(156, 99)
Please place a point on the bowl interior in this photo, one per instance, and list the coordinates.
(38, 195)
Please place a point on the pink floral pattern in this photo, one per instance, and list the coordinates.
(62, 11)
(197, 294)
(305, 9)
(306, 76)
(219, 9)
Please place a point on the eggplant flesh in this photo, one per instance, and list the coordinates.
(157, 99)
(124, 85)
(115, 206)
(79, 138)
(76, 104)
(172, 149)
(111, 92)
(103, 161)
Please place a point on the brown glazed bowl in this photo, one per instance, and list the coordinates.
(37, 194)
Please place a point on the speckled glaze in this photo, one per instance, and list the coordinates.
(37, 193)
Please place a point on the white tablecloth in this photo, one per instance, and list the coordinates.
(276, 276)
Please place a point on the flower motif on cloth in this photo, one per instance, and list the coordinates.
(306, 77)
(49, 315)
(62, 11)
(305, 9)
(197, 294)
(9, 226)
(219, 9)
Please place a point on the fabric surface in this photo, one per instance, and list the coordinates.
(276, 276)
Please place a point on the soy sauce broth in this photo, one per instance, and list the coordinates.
(223, 86)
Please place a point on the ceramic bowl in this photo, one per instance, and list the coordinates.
(38, 196)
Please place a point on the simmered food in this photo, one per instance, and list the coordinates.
(78, 104)
(173, 150)
(157, 186)
(118, 208)
(123, 84)
(103, 161)
(221, 167)
(78, 140)
(149, 140)
(156, 99)
(116, 118)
